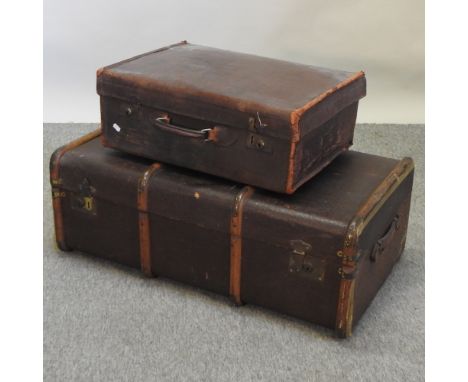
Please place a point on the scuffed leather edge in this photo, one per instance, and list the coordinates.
(349, 254)
(55, 182)
(101, 70)
(295, 136)
(295, 132)
(300, 111)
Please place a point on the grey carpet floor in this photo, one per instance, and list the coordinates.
(107, 323)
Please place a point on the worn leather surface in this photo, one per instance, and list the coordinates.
(256, 109)
(190, 226)
(239, 81)
(244, 77)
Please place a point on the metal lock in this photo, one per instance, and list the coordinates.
(84, 199)
(255, 139)
(255, 142)
(88, 203)
(302, 262)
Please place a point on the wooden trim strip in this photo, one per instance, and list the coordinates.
(143, 220)
(236, 244)
(56, 182)
(345, 309)
(383, 191)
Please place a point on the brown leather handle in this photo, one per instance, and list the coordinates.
(164, 124)
(383, 242)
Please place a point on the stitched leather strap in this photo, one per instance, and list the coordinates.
(236, 244)
(143, 220)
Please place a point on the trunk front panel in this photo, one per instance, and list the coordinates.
(190, 254)
(110, 231)
(303, 286)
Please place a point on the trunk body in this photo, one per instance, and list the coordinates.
(320, 254)
(258, 121)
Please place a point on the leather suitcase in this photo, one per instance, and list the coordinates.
(259, 121)
(320, 254)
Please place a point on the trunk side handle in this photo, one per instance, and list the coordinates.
(382, 243)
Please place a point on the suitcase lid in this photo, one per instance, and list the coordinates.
(232, 89)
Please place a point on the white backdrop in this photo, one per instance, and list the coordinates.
(385, 38)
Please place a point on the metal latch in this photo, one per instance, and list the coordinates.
(255, 138)
(302, 262)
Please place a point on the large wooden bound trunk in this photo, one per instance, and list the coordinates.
(320, 254)
(258, 121)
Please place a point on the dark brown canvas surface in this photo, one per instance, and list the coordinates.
(290, 246)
